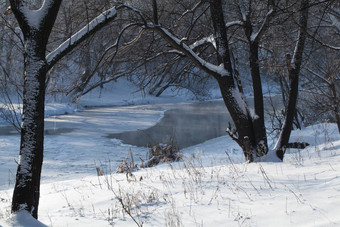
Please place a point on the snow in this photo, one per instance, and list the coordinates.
(209, 39)
(240, 100)
(212, 186)
(255, 35)
(23, 219)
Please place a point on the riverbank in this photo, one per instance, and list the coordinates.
(211, 186)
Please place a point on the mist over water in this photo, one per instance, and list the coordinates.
(187, 125)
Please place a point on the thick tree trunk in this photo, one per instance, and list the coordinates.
(27, 187)
(232, 97)
(238, 111)
(253, 39)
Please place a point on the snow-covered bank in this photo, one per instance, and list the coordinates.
(212, 186)
(208, 188)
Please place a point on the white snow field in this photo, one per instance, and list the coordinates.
(211, 186)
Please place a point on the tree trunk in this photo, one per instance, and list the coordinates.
(240, 115)
(36, 31)
(294, 71)
(27, 186)
(233, 98)
(335, 103)
(258, 119)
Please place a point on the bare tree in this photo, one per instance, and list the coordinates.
(36, 26)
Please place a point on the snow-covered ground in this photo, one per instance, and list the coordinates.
(212, 186)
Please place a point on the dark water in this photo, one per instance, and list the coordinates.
(187, 124)
(7, 130)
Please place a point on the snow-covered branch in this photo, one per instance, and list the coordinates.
(233, 23)
(210, 39)
(255, 37)
(94, 25)
(206, 40)
(180, 46)
(186, 50)
(334, 16)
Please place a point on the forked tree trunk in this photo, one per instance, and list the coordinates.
(253, 39)
(224, 74)
(233, 98)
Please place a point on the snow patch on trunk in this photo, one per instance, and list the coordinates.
(242, 105)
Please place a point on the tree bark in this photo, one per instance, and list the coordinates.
(253, 39)
(243, 123)
(335, 103)
(27, 185)
(258, 119)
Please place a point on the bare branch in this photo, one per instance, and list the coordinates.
(92, 27)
